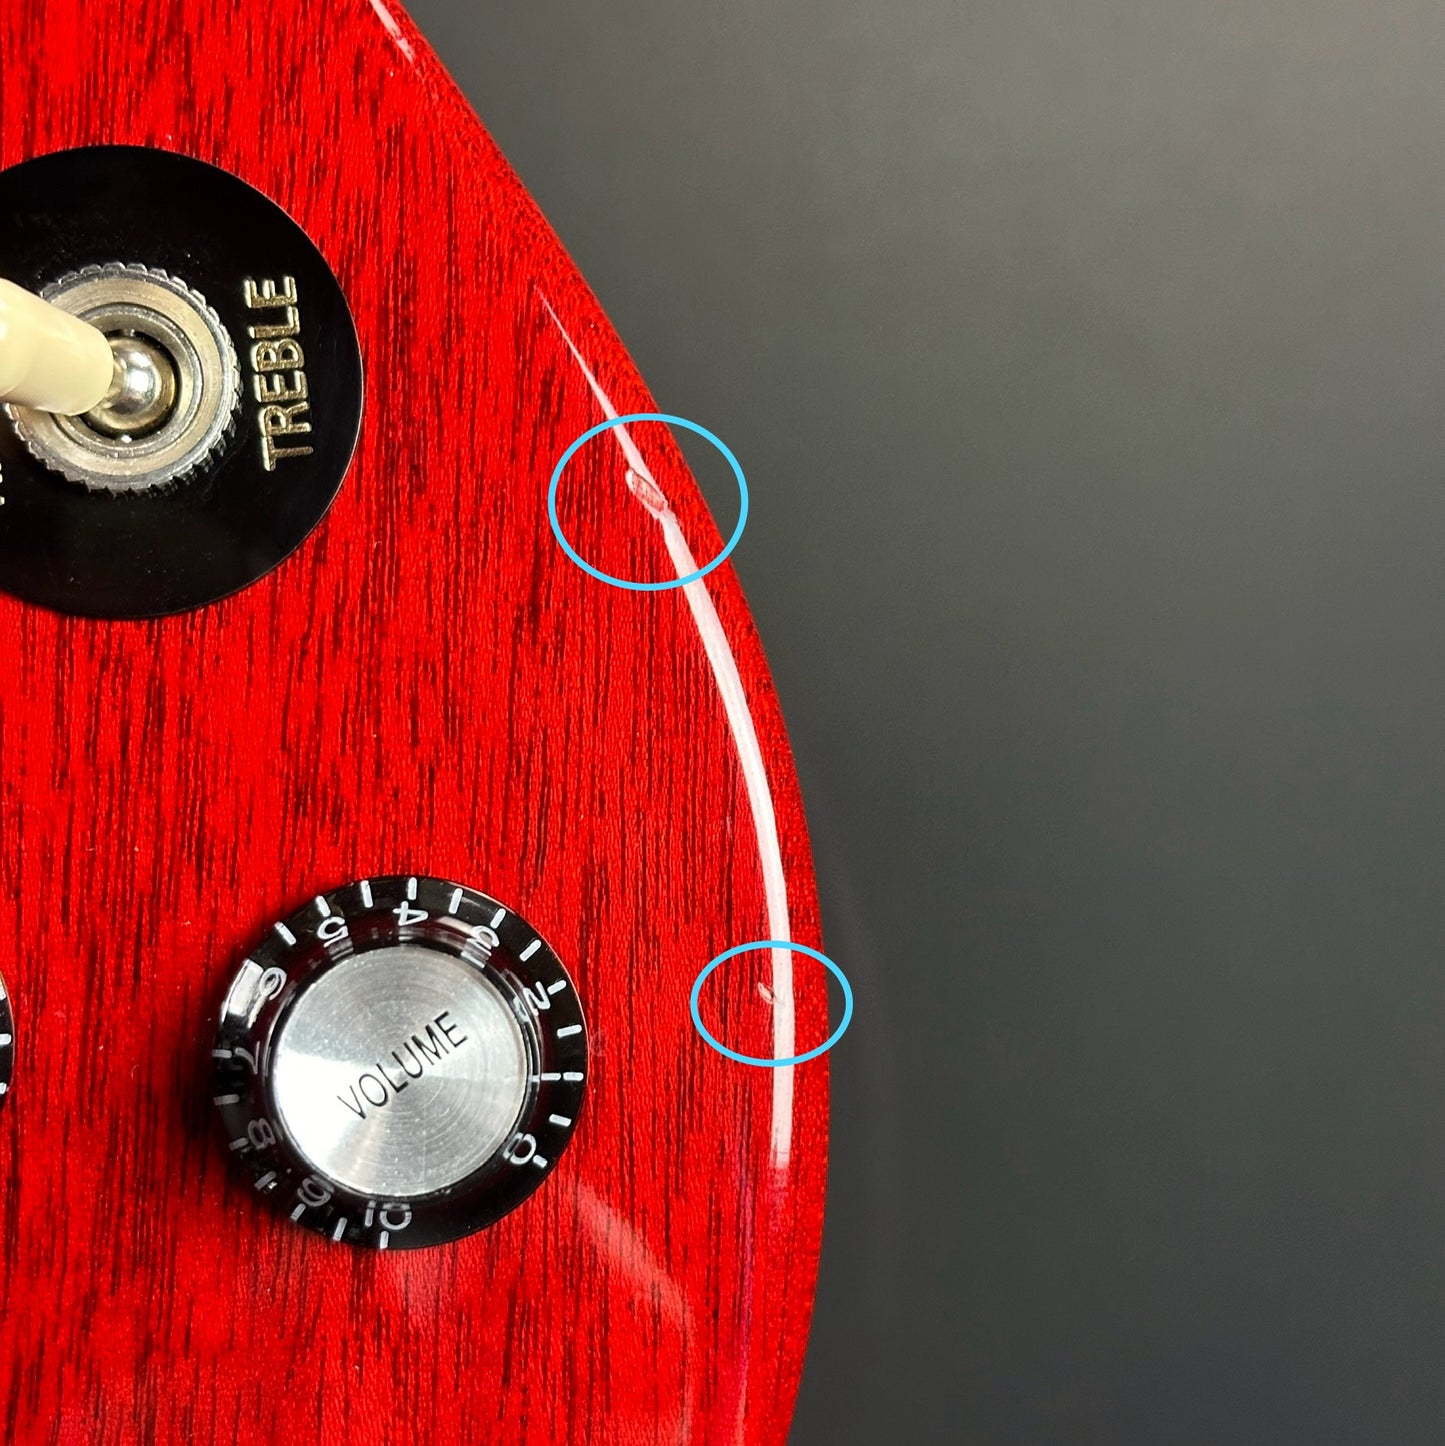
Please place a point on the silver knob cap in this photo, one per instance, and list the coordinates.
(400, 1062)
(400, 1072)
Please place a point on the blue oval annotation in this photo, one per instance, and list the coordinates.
(766, 1063)
(607, 426)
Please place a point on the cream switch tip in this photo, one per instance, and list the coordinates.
(50, 360)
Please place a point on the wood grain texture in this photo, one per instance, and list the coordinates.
(428, 685)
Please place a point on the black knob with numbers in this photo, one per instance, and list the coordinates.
(400, 1062)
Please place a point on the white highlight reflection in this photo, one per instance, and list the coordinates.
(642, 484)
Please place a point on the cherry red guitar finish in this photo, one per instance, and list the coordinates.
(429, 685)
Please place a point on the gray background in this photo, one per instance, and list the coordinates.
(1085, 360)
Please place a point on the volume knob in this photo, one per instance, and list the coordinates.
(400, 1063)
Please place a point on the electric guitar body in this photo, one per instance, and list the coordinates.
(291, 744)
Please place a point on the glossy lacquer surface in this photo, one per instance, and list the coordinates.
(428, 685)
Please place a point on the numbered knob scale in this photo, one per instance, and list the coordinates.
(400, 1063)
